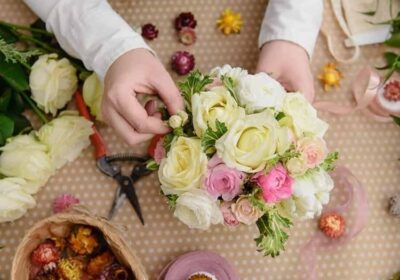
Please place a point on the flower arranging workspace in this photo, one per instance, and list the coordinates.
(250, 179)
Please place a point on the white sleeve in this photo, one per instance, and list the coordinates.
(297, 21)
(89, 30)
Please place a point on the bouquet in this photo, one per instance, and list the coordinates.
(244, 152)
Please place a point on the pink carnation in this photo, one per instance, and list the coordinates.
(276, 185)
(63, 202)
(222, 180)
(229, 217)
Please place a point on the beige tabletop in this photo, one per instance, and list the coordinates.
(371, 150)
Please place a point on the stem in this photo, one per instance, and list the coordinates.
(32, 29)
(37, 111)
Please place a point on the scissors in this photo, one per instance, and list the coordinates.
(107, 165)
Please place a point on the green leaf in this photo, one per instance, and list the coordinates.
(280, 116)
(211, 136)
(167, 141)
(391, 57)
(193, 84)
(13, 74)
(229, 85)
(21, 123)
(5, 99)
(6, 128)
(7, 36)
(331, 158)
(273, 237)
(152, 165)
(394, 40)
(396, 119)
(17, 104)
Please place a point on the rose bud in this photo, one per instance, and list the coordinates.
(45, 253)
(182, 62)
(185, 20)
(332, 225)
(149, 31)
(187, 36)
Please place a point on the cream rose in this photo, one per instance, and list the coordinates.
(197, 210)
(23, 156)
(313, 151)
(65, 137)
(216, 104)
(260, 91)
(302, 116)
(14, 201)
(52, 82)
(296, 167)
(92, 92)
(245, 212)
(184, 167)
(310, 193)
(249, 143)
(235, 73)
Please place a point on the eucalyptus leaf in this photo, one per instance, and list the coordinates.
(13, 74)
(5, 99)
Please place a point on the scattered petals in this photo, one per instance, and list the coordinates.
(187, 36)
(332, 225)
(230, 22)
(392, 91)
(330, 76)
(185, 20)
(182, 62)
(63, 202)
(149, 31)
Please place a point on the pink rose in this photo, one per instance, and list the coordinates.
(245, 212)
(159, 151)
(222, 180)
(313, 151)
(229, 218)
(276, 184)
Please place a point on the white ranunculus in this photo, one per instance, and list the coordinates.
(260, 91)
(249, 143)
(183, 168)
(235, 73)
(14, 201)
(25, 157)
(92, 92)
(216, 104)
(310, 193)
(197, 210)
(302, 116)
(52, 82)
(65, 137)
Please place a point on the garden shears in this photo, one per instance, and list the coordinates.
(107, 165)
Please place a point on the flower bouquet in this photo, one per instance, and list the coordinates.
(244, 152)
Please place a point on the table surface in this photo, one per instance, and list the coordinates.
(371, 150)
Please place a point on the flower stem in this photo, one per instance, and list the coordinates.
(35, 109)
(32, 29)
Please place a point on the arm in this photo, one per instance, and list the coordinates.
(287, 38)
(93, 32)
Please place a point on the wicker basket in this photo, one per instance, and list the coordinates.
(57, 225)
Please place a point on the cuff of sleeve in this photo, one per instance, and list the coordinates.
(306, 42)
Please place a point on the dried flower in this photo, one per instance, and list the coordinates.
(187, 36)
(330, 76)
(230, 22)
(63, 202)
(115, 271)
(202, 276)
(70, 269)
(394, 205)
(44, 254)
(182, 62)
(149, 31)
(392, 91)
(82, 241)
(185, 20)
(97, 265)
(332, 225)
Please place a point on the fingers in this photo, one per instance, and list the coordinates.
(303, 83)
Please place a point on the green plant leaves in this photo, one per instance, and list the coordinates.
(211, 136)
(13, 74)
(6, 128)
(394, 40)
(6, 35)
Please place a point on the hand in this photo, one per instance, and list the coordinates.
(289, 64)
(137, 72)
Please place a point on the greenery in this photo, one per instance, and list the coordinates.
(229, 85)
(171, 200)
(152, 165)
(193, 84)
(211, 136)
(273, 236)
(329, 162)
(168, 140)
(290, 153)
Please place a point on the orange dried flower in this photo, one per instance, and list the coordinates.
(330, 76)
(99, 263)
(202, 276)
(332, 225)
(83, 241)
(70, 269)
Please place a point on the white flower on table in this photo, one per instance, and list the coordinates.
(92, 92)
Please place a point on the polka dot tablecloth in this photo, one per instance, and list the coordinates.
(371, 150)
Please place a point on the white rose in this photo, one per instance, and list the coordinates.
(92, 92)
(183, 168)
(25, 157)
(197, 210)
(310, 193)
(296, 167)
(14, 201)
(235, 73)
(249, 143)
(52, 82)
(65, 137)
(216, 104)
(302, 116)
(260, 91)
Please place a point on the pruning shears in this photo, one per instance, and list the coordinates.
(107, 165)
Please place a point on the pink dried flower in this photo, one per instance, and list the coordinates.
(185, 20)
(149, 31)
(182, 62)
(229, 218)
(392, 91)
(187, 36)
(63, 202)
(159, 151)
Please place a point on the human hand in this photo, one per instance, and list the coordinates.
(137, 72)
(288, 63)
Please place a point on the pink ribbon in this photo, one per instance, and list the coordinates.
(354, 195)
(365, 90)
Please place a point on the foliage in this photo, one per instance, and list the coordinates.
(211, 136)
(328, 164)
(193, 84)
(14, 55)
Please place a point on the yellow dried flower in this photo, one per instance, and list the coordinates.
(330, 76)
(83, 241)
(230, 22)
(70, 269)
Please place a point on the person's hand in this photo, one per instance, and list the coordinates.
(137, 72)
(289, 64)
